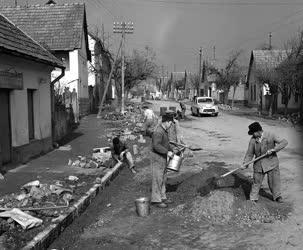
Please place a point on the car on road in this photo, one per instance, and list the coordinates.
(204, 106)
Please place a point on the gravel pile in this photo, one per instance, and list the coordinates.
(198, 199)
(216, 207)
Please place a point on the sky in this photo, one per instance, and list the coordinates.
(176, 29)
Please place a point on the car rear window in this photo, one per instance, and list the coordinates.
(207, 100)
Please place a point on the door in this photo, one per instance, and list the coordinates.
(30, 103)
(5, 129)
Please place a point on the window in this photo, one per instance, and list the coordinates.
(30, 106)
(205, 100)
(296, 97)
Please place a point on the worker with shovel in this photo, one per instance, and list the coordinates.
(161, 152)
(261, 143)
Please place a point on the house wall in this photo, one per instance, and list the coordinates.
(239, 97)
(76, 76)
(36, 77)
(253, 89)
(83, 78)
(91, 75)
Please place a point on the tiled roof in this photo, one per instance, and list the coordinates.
(268, 58)
(13, 40)
(57, 27)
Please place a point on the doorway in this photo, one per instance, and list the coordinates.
(5, 127)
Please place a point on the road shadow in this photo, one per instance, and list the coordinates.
(68, 138)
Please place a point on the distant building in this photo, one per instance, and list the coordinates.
(257, 90)
(62, 29)
(25, 95)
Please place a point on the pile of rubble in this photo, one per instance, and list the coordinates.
(226, 205)
(293, 118)
(37, 199)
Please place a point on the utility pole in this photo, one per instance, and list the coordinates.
(16, 3)
(174, 67)
(200, 65)
(214, 51)
(123, 28)
(162, 75)
(270, 35)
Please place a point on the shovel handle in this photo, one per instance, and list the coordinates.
(244, 165)
(254, 160)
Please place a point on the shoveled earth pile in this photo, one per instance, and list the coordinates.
(198, 199)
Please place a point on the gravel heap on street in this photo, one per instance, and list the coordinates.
(198, 199)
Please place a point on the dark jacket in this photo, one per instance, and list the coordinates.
(160, 141)
(269, 141)
(119, 148)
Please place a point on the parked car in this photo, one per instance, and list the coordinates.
(204, 106)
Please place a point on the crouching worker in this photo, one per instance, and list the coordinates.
(120, 153)
(161, 151)
(265, 143)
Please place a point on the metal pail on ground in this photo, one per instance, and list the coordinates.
(175, 163)
(143, 206)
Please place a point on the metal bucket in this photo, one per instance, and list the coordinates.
(143, 206)
(175, 163)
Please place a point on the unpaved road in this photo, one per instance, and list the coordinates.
(111, 222)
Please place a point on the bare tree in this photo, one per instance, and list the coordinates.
(230, 76)
(289, 72)
(195, 82)
(139, 66)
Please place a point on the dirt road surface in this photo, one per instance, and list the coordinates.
(111, 221)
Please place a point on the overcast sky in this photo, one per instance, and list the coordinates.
(176, 29)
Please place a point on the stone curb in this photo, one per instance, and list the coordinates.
(44, 239)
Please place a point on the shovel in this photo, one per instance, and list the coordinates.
(185, 146)
(244, 165)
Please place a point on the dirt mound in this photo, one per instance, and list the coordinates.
(200, 198)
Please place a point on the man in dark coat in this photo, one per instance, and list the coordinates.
(161, 151)
(120, 152)
(265, 143)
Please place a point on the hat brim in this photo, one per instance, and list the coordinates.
(250, 132)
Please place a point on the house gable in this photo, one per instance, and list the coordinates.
(56, 27)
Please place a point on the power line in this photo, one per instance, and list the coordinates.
(212, 3)
(102, 6)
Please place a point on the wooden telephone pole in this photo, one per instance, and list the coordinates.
(123, 28)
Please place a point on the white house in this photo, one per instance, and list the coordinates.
(25, 95)
(256, 93)
(65, 36)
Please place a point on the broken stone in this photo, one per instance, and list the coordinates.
(58, 219)
(98, 180)
(31, 184)
(25, 220)
(72, 178)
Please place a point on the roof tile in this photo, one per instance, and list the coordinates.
(59, 27)
(15, 40)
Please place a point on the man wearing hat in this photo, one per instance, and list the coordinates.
(174, 132)
(150, 120)
(161, 150)
(263, 142)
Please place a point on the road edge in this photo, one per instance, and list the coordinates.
(44, 239)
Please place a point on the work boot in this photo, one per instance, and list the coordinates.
(167, 201)
(160, 204)
(279, 199)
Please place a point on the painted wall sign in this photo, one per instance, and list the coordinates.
(10, 80)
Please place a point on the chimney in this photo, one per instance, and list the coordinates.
(50, 2)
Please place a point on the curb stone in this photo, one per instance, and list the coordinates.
(44, 239)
